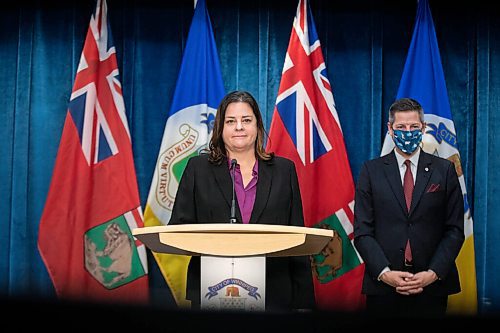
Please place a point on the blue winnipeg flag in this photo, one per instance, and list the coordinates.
(198, 92)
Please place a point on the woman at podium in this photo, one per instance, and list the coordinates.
(237, 181)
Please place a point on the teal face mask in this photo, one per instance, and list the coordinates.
(407, 141)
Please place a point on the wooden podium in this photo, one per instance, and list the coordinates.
(234, 240)
(237, 250)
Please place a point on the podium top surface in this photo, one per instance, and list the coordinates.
(225, 239)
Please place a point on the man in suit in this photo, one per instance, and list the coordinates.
(267, 191)
(408, 224)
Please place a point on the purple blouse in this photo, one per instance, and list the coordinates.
(246, 195)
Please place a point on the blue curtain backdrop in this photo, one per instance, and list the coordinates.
(364, 43)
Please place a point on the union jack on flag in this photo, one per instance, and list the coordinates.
(305, 128)
(300, 113)
(89, 106)
(85, 237)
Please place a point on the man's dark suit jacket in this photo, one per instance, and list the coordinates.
(434, 224)
(204, 196)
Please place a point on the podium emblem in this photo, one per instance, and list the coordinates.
(233, 283)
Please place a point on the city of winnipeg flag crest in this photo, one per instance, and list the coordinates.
(305, 128)
(197, 94)
(85, 237)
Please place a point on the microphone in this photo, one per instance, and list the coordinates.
(232, 218)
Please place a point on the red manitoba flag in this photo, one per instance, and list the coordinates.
(93, 202)
(305, 128)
